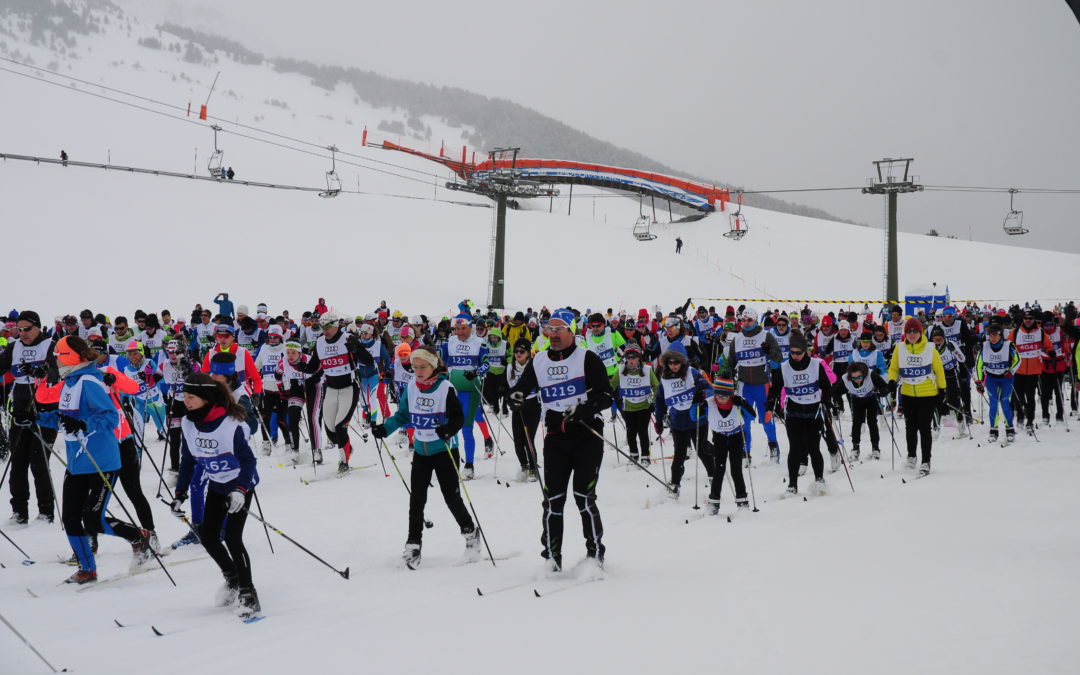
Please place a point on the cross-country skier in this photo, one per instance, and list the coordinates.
(804, 380)
(635, 386)
(726, 415)
(681, 404)
(995, 364)
(863, 386)
(430, 405)
(915, 371)
(748, 360)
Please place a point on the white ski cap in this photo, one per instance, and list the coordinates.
(844, 325)
(242, 309)
(275, 330)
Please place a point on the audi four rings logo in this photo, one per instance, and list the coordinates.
(425, 401)
(802, 377)
(558, 370)
(206, 443)
(461, 348)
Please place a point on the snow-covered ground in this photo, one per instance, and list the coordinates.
(968, 570)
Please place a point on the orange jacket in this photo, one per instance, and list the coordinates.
(1031, 362)
(248, 368)
(123, 385)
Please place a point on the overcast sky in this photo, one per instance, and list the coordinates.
(766, 94)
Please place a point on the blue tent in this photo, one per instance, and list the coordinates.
(927, 301)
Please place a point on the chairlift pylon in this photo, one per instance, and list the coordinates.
(333, 181)
(1014, 220)
(738, 226)
(214, 165)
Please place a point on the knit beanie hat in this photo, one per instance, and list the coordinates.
(523, 343)
(913, 324)
(798, 341)
(426, 355)
(724, 386)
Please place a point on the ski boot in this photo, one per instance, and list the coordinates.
(875, 453)
(924, 469)
(1046, 420)
(317, 454)
(911, 462)
(742, 504)
(635, 458)
(472, 543)
(489, 447)
(854, 453)
(189, 538)
(819, 488)
(266, 449)
(1030, 429)
(227, 594)
(645, 460)
(18, 519)
(411, 555)
(45, 517)
(835, 459)
(993, 435)
(342, 468)
(140, 549)
(774, 451)
(532, 476)
(802, 469)
(712, 508)
(82, 577)
(247, 603)
(1010, 435)
(522, 474)
(791, 491)
(469, 472)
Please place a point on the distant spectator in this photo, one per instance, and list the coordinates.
(225, 306)
(678, 244)
(320, 307)
(63, 157)
(230, 173)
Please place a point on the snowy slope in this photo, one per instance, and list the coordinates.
(358, 249)
(970, 570)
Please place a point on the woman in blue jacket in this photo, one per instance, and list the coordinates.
(216, 437)
(430, 404)
(88, 419)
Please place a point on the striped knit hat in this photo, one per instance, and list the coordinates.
(723, 387)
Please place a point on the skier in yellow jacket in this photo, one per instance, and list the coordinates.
(916, 369)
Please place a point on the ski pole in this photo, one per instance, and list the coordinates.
(619, 450)
(892, 436)
(386, 474)
(265, 529)
(749, 472)
(343, 574)
(533, 460)
(1061, 407)
(181, 516)
(427, 523)
(659, 437)
(840, 442)
(112, 492)
(27, 560)
(472, 508)
(27, 643)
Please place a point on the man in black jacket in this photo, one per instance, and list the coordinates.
(574, 389)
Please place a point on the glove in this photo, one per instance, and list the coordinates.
(470, 374)
(177, 504)
(979, 387)
(892, 387)
(379, 431)
(715, 367)
(443, 432)
(110, 379)
(35, 370)
(236, 501)
(141, 375)
(1051, 354)
(517, 400)
(699, 396)
(72, 425)
(658, 427)
(940, 396)
(256, 401)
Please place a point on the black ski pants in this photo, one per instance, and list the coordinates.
(1024, 388)
(275, 402)
(29, 456)
(524, 423)
(579, 453)
(804, 436)
(1050, 385)
(918, 423)
(683, 438)
(442, 465)
(177, 413)
(637, 431)
(230, 556)
(727, 448)
(864, 410)
(130, 466)
(86, 497)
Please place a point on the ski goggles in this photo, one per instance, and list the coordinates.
(796, 352)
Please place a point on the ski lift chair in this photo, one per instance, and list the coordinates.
(641, 229)
(737, 223)
(214, 165)
(333, 181)
(1014, 220)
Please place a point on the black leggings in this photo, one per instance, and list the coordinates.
(527, 417)
(274, 402)
(578, 453)
(130, 466)
(28, 454)
(683, 438)
(725, 448)
(1024, 390)
(86, 496)
(804, 436)
(865, 410)
(637, 430)
(176, 416)
(918, 416)
(234, 561)
(1050, 386)
(442, 465)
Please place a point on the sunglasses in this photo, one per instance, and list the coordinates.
(132, 352)
(796, 352)
(913, 331)
(596, 325)
(26, 329)
(521, 351)
(856, 378)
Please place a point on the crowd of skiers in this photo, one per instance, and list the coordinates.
(220, 387)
